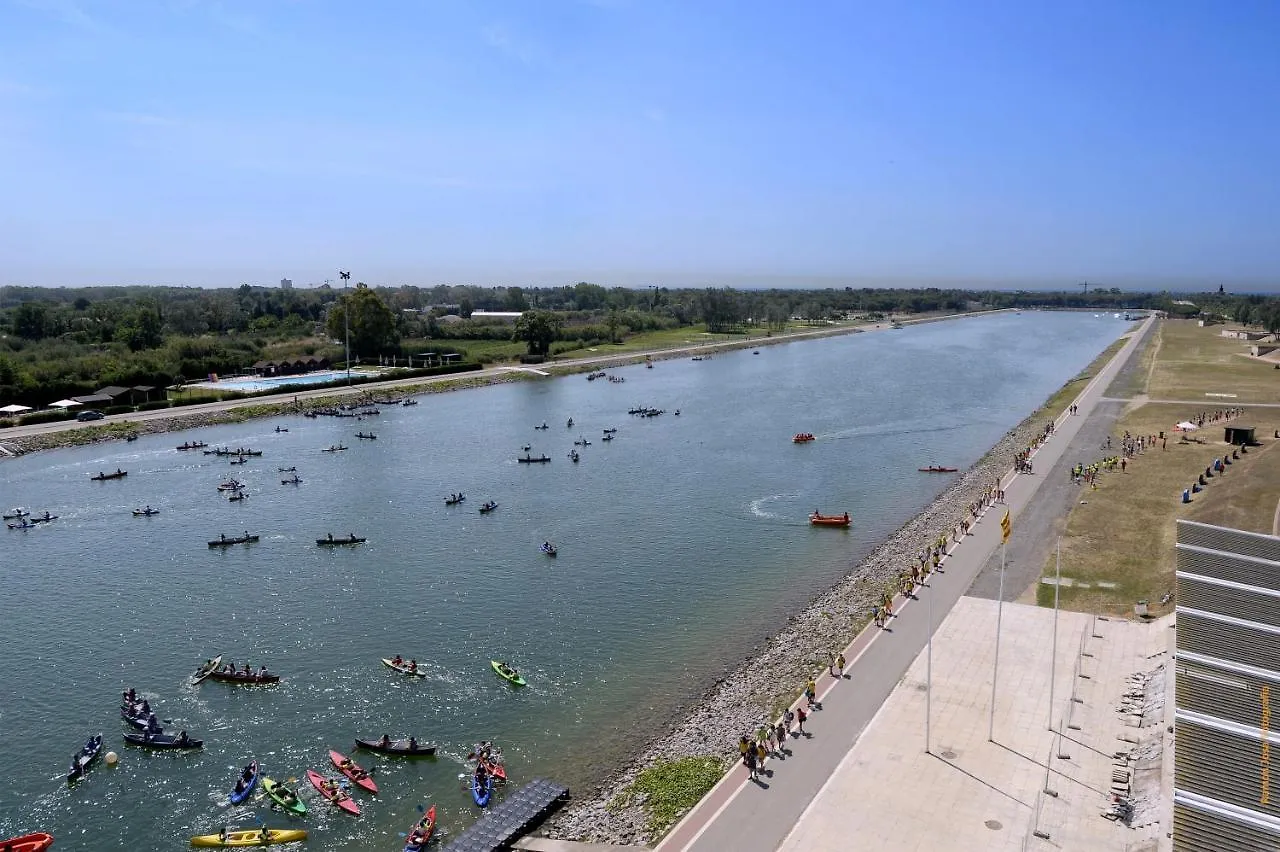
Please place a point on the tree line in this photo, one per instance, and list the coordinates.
(68, 341)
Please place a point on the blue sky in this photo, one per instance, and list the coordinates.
(211, 142)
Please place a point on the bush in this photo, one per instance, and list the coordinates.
(155, 404)
(118, 409)
(671, 789)
(50, 416)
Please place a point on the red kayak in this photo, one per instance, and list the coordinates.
(349, 768)
(37, 842)
(496, 770)
(332, 793)
(418, 837)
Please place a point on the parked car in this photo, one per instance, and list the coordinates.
(90, 415)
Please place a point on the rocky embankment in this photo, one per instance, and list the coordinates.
(740, 702)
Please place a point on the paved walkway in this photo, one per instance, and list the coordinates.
(971, 794)
(744, 816)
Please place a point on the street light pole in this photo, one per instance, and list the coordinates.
(346, 318)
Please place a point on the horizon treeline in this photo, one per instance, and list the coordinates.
(71, 341)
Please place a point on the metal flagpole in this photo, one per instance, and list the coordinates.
(1053, 663)
(995, 670)
(928, 691)
(346, 318)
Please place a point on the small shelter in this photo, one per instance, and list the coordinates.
(64, 403)
(95, 399)
(1241, 435)
(14, 409)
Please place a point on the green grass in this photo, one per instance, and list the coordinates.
(671, 789)
(1194, 361)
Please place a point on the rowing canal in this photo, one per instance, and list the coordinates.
(682, 544)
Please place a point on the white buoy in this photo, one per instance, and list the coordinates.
(112, 758)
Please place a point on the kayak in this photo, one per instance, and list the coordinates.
(352, 770)
(251, 837)
(37, 842)
(336, 796)
(497, 770)
(164, 741)
(398, 747)
(134, 716)
(244, 789)
(206, 670)
(482, 797)
(819, 520)
(248, 679)
(426, 826)
(88, 753)
(403, 668)
(508, 673)
(283, 796)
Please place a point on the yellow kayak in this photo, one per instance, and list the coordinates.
(251, 837)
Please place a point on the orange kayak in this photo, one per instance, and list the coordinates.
(350, 769)
(820, 520)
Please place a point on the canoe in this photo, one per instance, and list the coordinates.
(90, 752)
(242, 678)
(549, 549)
(37, 842)
(227, 542)
(532, 460)
(487, 508)
(353, 771)
(819, 520)
(453, 501)
(239, 495)
(331, 541)
(283, 796)
(480, 796)
(241, 792)
(134, 716)
(403, 668)
(144, 513)
(803, 437)
(507, 673)
(103, 477)
(336, 796)
(295, 481)
(16, 513)
(162, 741)
(427, 826)
(936, 469)
(369, 437)
(251, 837)
(399, 748)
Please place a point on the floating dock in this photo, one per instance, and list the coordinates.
(515, 815)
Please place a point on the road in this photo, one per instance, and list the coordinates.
(750, 816)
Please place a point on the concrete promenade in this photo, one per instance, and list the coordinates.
(745, 816)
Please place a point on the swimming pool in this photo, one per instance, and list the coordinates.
(262, 383)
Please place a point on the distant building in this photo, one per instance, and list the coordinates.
(496, 316)
(286, 283)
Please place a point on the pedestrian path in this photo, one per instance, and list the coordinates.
(743, 815)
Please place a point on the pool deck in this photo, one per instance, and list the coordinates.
(245, 384)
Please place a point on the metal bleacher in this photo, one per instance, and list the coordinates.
(514, 816)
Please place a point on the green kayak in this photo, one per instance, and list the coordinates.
(285, 797)
(510, 674)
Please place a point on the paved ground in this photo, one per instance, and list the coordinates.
(739, 815)
(972, 794)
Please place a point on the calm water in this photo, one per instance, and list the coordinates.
(682, 543)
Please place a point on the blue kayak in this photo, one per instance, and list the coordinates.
(244, 788)
(482, 796)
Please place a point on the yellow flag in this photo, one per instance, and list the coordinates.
(1006, 526)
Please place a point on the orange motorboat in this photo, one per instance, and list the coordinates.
(802, 437)
(820, 520)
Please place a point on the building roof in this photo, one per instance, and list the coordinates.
(93, 399)
(143, 388)
(497, 314)
(110, 391)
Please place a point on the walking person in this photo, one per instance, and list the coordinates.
(743, 747)
(811, 693)
(840, 665)
(761, 754)
(751, 763)
(800, 717)
(780, 732)
(788, 717)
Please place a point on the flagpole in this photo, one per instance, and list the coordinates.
(995, 670)
(1053, 662)
(928, 692)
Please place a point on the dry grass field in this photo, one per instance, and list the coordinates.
(1194, 361)
(1118, 545)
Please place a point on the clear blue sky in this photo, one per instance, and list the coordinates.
(639, 141)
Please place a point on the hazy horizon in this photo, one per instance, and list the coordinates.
(630, 143)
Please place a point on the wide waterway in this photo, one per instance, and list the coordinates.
(683, 543)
